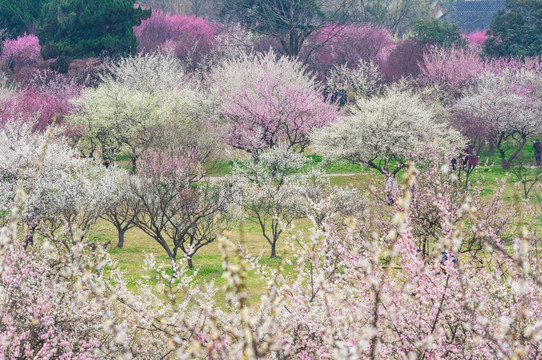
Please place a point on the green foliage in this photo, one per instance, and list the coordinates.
(516, 31)
(435, 32)
(18, 17)
(272, 15)
(88, 28)
(396, 15)
(288, 21)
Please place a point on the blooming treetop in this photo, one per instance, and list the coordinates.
(267, 101)
(453, 68)
(141, 97)
(386, 128)
(148, 73)
(244, 72)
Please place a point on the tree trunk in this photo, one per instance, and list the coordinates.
(507, 163)
(504, 163)
(121, 232)
(190, 264)
(274, 250)
(492, 147)
(424, 246)
(134, 163)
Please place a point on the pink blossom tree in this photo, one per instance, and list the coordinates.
(476, 39)
(498, 65)
(276, 104)
(273, 113)
(454, 69)
(20, 52)
(41, 314)
(189, 38)
(347, 45)
(178, 215)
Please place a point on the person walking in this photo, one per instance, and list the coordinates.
(472, 160)
(107, 163)
(343, 96)
(537, 145)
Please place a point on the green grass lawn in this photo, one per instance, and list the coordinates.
(208, 260)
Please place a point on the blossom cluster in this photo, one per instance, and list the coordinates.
(20, 52)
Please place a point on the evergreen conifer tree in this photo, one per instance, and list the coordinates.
(70, 29)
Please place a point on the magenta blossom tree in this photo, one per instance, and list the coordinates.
(404, 61)
(20, 52)
(347, 45)
(476, 39)
(34, 106)
(189, 38)
(42, 99)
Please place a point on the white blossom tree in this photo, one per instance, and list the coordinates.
(136, 105)
(324, 203)
(383, 132)
(269, 192)
(363, 80)
(509, 105)
(121, 207)
(60, 189)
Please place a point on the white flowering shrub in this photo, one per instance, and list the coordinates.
(364, 80)
(60, 188)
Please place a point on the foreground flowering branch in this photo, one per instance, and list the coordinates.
(356, 289)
